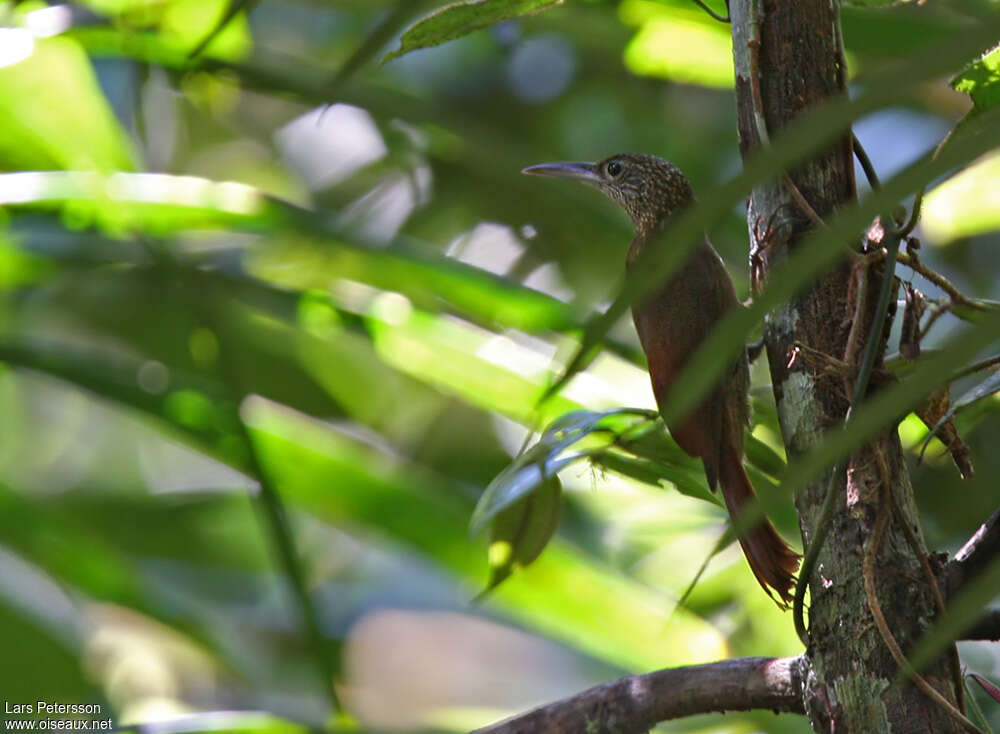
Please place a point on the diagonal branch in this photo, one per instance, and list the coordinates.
(978, 552)
(636, 703)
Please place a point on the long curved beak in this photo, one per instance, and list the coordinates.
(583, 172)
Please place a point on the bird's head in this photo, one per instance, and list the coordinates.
(649, 188)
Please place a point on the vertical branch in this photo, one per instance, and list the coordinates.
(788, 57)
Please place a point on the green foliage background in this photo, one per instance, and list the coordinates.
(275, 315)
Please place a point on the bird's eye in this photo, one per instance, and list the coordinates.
(614, 168)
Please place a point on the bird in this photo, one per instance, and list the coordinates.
(671, 322)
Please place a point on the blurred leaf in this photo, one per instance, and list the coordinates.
(42, 93)
(42, 637)
(520, 532)
(975, 315)
(154, 203)
(175, 28)
(117, 378)
(166, 322)
(160, 205)
(966, 204)
(981, 81)
(233, 8)
(764, 457)
(563, 594)
(963, 611)
(238, 722)
(894, 30)
(431, 282)
(678, 43)
(460, 19)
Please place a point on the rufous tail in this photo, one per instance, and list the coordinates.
(771, 560)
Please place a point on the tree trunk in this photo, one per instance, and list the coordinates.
(853, 682)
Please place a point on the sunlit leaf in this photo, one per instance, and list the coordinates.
(233, 8)
(674, 46)
(562, 594)
(152, 202)
(176, 28)
(40, 94)
(460, 19)
(967, 204)
(981, 80)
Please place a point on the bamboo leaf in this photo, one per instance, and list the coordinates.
(460, 19)
(520, 532)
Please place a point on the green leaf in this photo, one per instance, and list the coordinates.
(966, 204)
(975, 315)
(56, 84)
(162, 205)
(981, 81)
(563, 594)
(690, 482)
(520, 532)
(461, 19)
(173, 30)
(118, 378)
(534, 467)
(233, 8)
(683, 45)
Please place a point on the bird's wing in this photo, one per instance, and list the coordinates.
(671, 325)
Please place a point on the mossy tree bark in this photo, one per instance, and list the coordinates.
(794, 49)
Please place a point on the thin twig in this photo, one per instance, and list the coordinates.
(720, 18)
(936, 311)
(866, 163)
(916, 265)
(985, 364)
